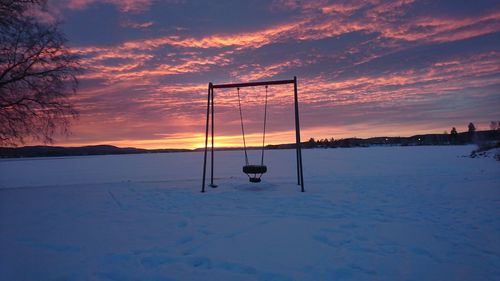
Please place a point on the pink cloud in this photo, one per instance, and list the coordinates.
(137, 25)
(312, 27)
(319, 20)
(122, 5)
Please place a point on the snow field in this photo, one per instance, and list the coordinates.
(379, 213)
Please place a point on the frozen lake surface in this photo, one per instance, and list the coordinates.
(379, 213)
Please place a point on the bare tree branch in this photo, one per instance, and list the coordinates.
(37, 76)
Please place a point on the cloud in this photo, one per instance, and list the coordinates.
(381, 19)
(137, 25)
(363, 66)
(133, 6)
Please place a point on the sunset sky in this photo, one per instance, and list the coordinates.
(365, 68)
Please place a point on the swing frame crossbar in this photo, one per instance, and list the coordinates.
(210, 121)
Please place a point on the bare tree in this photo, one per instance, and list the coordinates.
(472, 128)
(37, 76)
(493, 125)
(454, 131)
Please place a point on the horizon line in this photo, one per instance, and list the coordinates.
(228, 147)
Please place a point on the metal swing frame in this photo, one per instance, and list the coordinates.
(210, 121)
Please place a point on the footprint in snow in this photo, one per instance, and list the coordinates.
(362, 269)
(184, 240)
(156, 261)
(341, 273)
(422, 252)
(200, 262)
(349, 226)
(204, 231)
(111, 276)
(61, 248)
(160, 260)
(425, 253)
(326, 241)
(238, 268)
(149, 251)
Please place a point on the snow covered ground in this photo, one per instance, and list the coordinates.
(380, 213)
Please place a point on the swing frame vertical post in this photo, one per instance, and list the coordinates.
(206, 138)
(212, 137)
(300, 174)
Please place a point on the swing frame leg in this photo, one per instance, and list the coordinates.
(206, 139)
(210, 109)
(212, 185)
(300, 174)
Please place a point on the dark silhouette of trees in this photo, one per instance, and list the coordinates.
(494, 125)
(37, 76)
(311, 143)
(471, 133)
(454, 131)
(472, 128)
(454, 136)
(323, 143)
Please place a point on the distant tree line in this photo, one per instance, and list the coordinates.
(55, 151)
(453, 138)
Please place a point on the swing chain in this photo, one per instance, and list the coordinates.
(242, 127)
(264, 133)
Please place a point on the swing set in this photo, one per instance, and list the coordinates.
(254, 172)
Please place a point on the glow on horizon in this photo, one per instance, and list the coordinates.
(197, 140)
